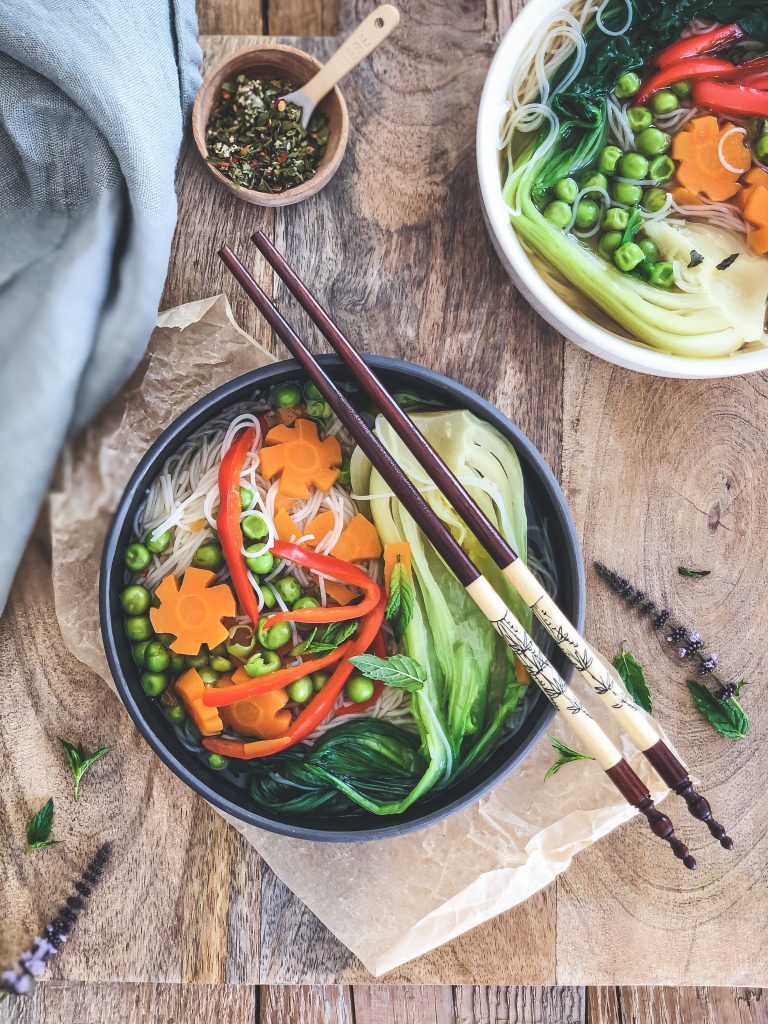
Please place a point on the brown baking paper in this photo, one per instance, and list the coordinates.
(449, 877)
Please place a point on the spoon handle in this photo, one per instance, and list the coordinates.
(369, 33)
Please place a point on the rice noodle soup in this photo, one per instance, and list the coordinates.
(633, 156)
(268, 553)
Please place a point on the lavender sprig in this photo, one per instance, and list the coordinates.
(33, 962)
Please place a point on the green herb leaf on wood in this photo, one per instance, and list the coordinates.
(567, 756)
(693, 574)
(398, 670)
(40, 827)
(727, 716)
(79, 762)
(399, 609)
(633, 677)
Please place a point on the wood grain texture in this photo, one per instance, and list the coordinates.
(306, 1004)
(233, 17)
(411, 1004)
(520, 1005)
(677, 1006)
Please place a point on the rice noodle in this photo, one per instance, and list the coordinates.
(624, 27)
(721, 152)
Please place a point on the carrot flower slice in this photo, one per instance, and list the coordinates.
(702, 146)
(301, 459)
(193, 611)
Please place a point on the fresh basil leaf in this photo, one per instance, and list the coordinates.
(633, 677)
(40, 827)
(399, 610)
(727, 716)
(334, 635)
(693, 574)
(399, 670)
(79, 762)
(567, 756)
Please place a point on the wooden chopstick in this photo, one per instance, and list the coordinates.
(603, 679)
(542, 672)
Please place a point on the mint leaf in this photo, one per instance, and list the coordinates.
(39, 828)
(726, 716)
(399, 670)
(693, 574)
(633, 677)
(333, 636)
(79, 762)
(567, 756)
(399, 610)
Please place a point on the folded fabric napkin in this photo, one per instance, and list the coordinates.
(92, 107)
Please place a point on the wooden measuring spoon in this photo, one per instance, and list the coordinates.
(369, 33)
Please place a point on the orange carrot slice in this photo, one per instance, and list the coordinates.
(193, 611)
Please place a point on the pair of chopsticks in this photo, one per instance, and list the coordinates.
(603, 680)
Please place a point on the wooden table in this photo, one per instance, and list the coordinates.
(658, 473)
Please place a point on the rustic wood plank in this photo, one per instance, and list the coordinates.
(686, 1005)
(303, 17)
(663, 473)
(232, 17)
(56, 1002)
(520, 1005)
(403, 1004)
(305, 1004)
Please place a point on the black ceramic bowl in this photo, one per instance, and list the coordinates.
(542, 490)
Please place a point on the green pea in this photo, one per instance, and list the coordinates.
(662, 170)
(219, 664)
(359, 689)
(639, 118)
(289, 589)
(664, 102)
(615, 219)
(655, 199)
(199, 660)
(319, 409)
(319, 679)
(138, 627)
(137, 557)
(634, 166)
(558, 213)
(652, 142)
(268, 596)
(286, 396)
(241, 642)
(311, 390)
(208, 675)
(208, 556)
(628, 85)
(138, 651)
(650, 250)
(663, 275)
(681, 89)
(301, 690)
(156, 658)
(135, 599)
(153, 683)
(629, 195)
(609, 243)
(175, 714)
(566, 189)
(255, 527)
(262, 563)
(246, 497)
(593, 180)
(263, 663)
(274, 637)
(178, 664)
(158, 544)
(760, 148)
(628, 256)
(587, 214)
(609, 159)
(305, 602)
(217, 762)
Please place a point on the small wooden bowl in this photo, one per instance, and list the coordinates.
(273, 60)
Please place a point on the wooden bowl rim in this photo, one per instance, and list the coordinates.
(324, 172)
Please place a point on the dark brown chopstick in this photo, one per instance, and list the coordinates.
(542, 672)
(658, 753)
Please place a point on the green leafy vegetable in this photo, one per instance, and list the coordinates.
(567, 756)
(398, 670)
(694, 574)
(40, 827)
(80, 762)
(399, 609)
(727, 716)
(333, 636)
(633, 677)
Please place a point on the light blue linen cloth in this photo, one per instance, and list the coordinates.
(94, 95)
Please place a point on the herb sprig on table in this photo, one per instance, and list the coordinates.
(257, 140)
(40, 827)
(79, 762)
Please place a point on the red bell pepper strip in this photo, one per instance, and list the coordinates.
(694, 46)
(245, 751)
(731, 99)
(379, 648)
(221, 697)
(758, 66)
(328, 566)
(694, 67)
(228, 521)
(755, 81)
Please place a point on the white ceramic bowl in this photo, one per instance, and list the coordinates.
(590, 335)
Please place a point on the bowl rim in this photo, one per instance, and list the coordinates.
(539, 294)
(306, 189)
(194, 417)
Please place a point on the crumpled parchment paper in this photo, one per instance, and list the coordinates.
(449, 877)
